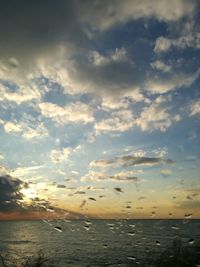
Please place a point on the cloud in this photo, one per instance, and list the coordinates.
(57, 34)
(163, 44)
(3, 170)
(157, 116)
(113, 102)
(113, 75)
(17, 201)
(118, 55)
(11, 127)
(24, 93)
(94, 188)
(36, 27)
(73, 113)
(57, 156)
(118, 177)
(61, 155)
(27, 171)
(166, 172)
(160, 65)
(170, 82)
(39, 132)
(120, 121)
(129, 160)
(10, 195)
(105, 15)
(26, 130)
(195, 108)
(39, 26)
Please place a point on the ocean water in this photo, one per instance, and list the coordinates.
(93, 243)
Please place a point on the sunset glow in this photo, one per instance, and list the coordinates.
(99, 109)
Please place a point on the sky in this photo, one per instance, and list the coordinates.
(99, 109)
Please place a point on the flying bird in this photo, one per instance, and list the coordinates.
(58, 228)
(118, 189)
(79, 193)
(92, 198)
(83, 204)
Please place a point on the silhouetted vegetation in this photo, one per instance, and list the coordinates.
(177, 255)
(39, 261)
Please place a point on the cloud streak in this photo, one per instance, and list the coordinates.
(129, 160)
(118, 177)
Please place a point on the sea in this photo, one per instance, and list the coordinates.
(84, 243)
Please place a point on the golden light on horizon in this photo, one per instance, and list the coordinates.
(28, 193)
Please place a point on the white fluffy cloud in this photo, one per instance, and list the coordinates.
(120, 121)
(157, 116)
(160, 65)
(12, 127)
(195, 108)
(73, 113)
(163, 44)
(26, 130)
(25, 92)
(57, 156)
(111, 102)
(119, 54)
(60, 155)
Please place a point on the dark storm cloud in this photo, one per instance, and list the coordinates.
(37, 34)
(31, 27)
(113, 75)
(10, 195)
(130, 160)
(11, 199)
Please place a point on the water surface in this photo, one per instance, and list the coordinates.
(95, 242)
